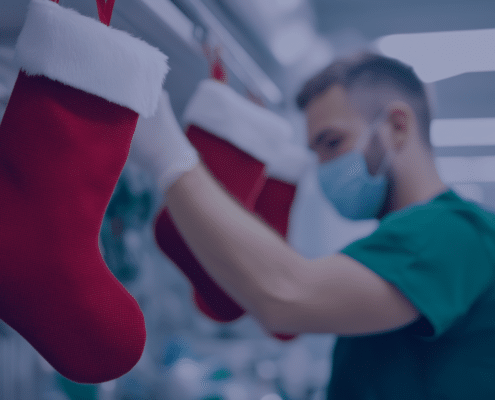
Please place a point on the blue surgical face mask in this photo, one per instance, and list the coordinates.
(348, 185)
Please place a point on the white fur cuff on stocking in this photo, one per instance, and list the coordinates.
(81, 52)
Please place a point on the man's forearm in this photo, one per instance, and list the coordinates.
(248, 259)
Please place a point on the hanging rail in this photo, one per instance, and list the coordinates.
(236, 58)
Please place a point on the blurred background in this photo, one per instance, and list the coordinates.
(269, 48)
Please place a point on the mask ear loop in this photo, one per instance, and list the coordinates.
(365, 139)
(387, 160)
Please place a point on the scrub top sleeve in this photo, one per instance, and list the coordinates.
(438, 260)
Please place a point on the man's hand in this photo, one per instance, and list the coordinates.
(160, 146)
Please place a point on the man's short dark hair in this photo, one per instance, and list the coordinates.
(372, 71)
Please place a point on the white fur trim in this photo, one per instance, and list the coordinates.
(290, 163)
(79, 51)
(220, 110)
(259, 132)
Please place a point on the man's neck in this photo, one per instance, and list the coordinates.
(420, 186)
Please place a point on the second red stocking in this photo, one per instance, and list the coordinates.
(235, 139)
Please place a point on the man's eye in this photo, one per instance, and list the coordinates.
(334, 143)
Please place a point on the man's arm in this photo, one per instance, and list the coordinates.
(285, 291)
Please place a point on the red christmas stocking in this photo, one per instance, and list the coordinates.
(63, 144)
(274, 203)
(234, 138)
(243, 177)
(227, 169)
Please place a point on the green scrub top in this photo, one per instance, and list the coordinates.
(441, 256)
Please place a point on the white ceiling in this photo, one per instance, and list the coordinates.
(468, 95)
(343, 24)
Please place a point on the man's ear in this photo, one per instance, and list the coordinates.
(401, 121)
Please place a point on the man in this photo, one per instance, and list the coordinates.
(414, 302)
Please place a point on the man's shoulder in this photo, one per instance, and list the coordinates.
(448, 203)
(446, 216)
(422, 214)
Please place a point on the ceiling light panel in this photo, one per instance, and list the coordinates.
(440, 55)
(463, 132)
(466, 169)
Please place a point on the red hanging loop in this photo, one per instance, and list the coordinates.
(218, 71)
(105, 10)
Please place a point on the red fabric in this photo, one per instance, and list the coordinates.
(218, 71)
(243, 177)
(239, 173)
(105, 9)
(61, 153)
(273, 206)
(217, 304)
(274, 203)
